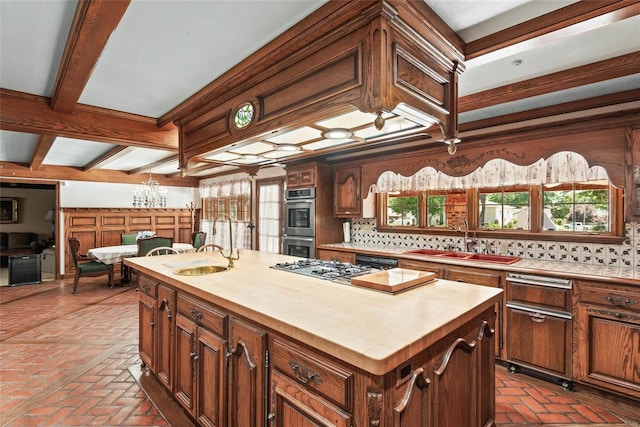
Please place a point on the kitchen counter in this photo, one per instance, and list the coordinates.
(372, 330)
(625, 275)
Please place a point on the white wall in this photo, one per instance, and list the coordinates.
(83, 194)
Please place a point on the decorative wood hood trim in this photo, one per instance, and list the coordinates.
(365, 55)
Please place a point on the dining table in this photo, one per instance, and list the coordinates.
(117, 254)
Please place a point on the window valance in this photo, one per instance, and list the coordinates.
(238, 187)
(562, 167)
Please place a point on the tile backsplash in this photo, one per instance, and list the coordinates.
(627, 254)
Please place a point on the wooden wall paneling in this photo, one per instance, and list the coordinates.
(632, 159)
(97, 227)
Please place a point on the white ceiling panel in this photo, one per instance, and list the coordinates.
(32, 37)
(16, 146)
(134, 157)
(75, 152)
(184, 46)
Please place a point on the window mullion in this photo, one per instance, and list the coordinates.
(535, 209)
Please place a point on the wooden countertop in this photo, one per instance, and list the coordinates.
(369, 329)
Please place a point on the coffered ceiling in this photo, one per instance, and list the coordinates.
(85, 84)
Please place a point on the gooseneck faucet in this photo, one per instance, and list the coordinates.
(462, 222)
(229, 257)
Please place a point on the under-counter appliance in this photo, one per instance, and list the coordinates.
(24, 269)
(379, 262)
(539, 326)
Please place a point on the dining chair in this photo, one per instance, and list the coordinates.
(198, 239)
(162, 250)
(145, 245)
(128, 238)
(85, 266)
(209, 247)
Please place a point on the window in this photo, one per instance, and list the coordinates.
(553, 211)
(578, 207)
(402, 210)
(503, 209)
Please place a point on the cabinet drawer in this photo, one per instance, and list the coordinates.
(597, 294)
(202, 314)
(315, 372)
(475, 277)
(545, 297)
(148, 286)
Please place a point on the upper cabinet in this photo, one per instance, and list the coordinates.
(346, 192)
(305, 177)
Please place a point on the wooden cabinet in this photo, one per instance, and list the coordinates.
(147, 304)
(201, 368)
(632, 190)
(308, 389)
(247, 379)
(341, 256)
(606, 336)
(422, 266)
(165, 324)
(304, 177)
(347, 201)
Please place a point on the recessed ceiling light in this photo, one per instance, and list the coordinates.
(288, 147)
(337, 133)
(516, 62)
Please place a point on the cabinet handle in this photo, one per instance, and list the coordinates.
(537, 317)
(615, 314)
(620, 301)
(271, 416)
(196, 315)
(146, 289)
(193, 356)
(304, 374)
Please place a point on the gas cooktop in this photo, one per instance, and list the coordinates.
(329, 270)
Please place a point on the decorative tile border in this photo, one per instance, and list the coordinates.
(363, 231)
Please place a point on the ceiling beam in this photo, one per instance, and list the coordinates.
(45, 142)
(149, 166)
(108, 157)
(570, 20)
(22, 112)
(93, 23)
(607, 69)
(12, 170)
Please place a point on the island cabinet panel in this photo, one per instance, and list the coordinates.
(341, 256)
(247, 379)
(347, 202)
(166, 306)
(606, 322)
(147, 337)
(495, 279)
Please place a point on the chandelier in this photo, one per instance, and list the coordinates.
(149, 194)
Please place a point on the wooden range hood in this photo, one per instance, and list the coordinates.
(365, 55)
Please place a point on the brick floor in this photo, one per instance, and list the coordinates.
(64, 361)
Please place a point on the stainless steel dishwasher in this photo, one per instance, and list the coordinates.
(539, 326)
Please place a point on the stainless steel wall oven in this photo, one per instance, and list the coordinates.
(300, 226)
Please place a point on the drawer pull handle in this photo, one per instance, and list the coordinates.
(304, 374)
(196, 315)
(537, 317)
(620, 301)
(146, 289)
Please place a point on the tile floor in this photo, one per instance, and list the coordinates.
(65, 360)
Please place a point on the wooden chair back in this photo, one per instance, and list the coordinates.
(85, 266)
(209, 247)
(128, 238)
(162, 250)
(198, 239)
(145, 245)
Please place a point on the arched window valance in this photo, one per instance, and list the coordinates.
(562, 167)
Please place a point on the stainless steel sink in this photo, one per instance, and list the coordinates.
(200, 270)
(497, 259)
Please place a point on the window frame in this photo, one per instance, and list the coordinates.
(615, 235)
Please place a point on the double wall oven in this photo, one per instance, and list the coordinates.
(300, 228)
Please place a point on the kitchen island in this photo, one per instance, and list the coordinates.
(254, 345)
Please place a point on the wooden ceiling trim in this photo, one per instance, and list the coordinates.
(28, 113)
(607, 69)
(45, 142)
(10, 170)
(553, 110)
(562, 22)
(108, 157)
(93, 23)
(146, 168)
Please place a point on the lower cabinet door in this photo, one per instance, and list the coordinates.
(185, 364)
(539, 341)
(147, 328)
(293, 405)
(211, 376)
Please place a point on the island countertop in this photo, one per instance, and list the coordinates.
(370, 329)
